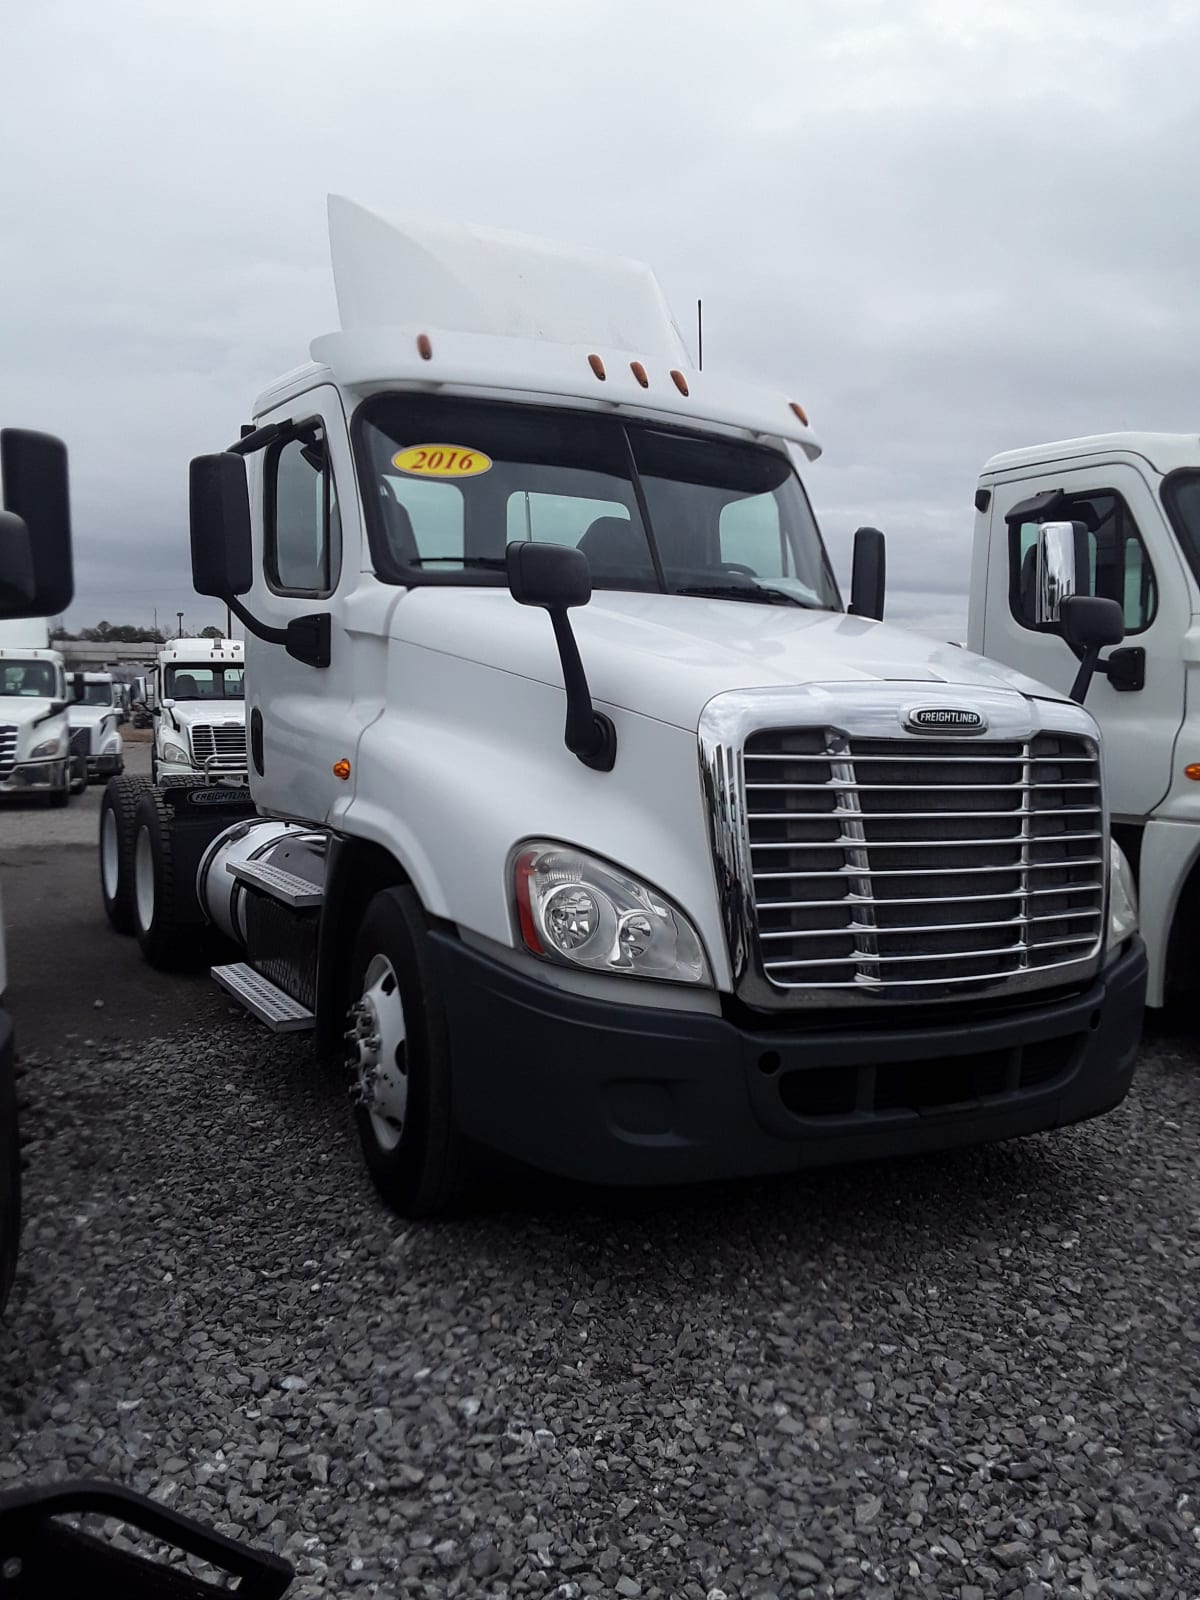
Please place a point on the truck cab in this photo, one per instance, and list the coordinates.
(200, 710)
(586, 823)
(35, 731)
(95, 715)
(1132, 501)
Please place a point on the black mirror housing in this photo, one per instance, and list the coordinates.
(18, 582)
(1089, 622)
(37, 571)
(219, 517)
(555, 576)
(868, 577)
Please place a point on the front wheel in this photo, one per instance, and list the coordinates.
(399, 1063)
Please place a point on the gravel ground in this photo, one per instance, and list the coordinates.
(964, 1376)
(26, 820)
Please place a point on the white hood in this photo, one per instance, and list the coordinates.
(213, 713)
(665, 656)
(22, 712)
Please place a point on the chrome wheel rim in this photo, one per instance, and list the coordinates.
(110, 861)
(143, 879)
(378, 1053)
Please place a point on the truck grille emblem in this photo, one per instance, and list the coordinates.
(944, 719)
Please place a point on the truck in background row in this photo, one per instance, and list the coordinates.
(199, 710)
(35, 733)
(701, 874)
(95, 713)
(1114, 515)
(35, 581)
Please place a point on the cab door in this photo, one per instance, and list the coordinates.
(1131, 559)
(307, 562)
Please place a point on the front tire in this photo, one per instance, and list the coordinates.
(118, 804)
(166, 942)
(399, 1060)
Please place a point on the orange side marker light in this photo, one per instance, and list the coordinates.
(341, 769)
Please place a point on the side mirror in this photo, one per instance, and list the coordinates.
(551, 575)
(36, 572)
(557, 577)
(1062, 555)
(219, 514)
(868, 576)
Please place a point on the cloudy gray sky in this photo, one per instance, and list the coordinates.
(948, 227)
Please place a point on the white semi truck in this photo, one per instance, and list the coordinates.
(35, 582)
(35, 733)
(199, 711)
(1118, 516)
(95, 712)
(699, 874)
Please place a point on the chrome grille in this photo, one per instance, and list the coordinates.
(8, 749)
(219, 747)
(880, 863)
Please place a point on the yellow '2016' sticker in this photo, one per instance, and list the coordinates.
(441, 461)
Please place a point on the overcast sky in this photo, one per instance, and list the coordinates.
(947, 227)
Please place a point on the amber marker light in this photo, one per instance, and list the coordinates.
(1192, 771)
(424, 347)
(341, 769)
(800, 412)
(639, 373)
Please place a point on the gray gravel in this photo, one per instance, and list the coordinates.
(965, 1376)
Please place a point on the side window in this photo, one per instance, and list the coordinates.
(1118, 563)
(303, 525)
(750, 536)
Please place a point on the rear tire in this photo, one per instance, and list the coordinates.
(400, 1063)
(166, 942)
(118, 804)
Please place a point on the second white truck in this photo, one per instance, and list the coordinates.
(35, 733)
(1115, 516)
(200, 709)
(585, 823)
(97, 749)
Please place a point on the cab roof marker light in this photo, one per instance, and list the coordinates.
(424, 347)
(799, 411)
(639, 373)
(597, 367)
(680, 382)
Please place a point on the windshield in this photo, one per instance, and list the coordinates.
(97, 694)
(651, 509)
(35, 680)
(186, 682)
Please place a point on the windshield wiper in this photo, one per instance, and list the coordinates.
(757, 593)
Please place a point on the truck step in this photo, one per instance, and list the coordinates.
(263, 999)
(280, 884)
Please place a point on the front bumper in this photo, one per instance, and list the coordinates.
(111, 765)
(619, 1094)
(36, 777)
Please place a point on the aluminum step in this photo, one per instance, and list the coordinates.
(263, 999)
(280, 884)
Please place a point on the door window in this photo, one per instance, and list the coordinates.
(1118, 563)
(303, 525)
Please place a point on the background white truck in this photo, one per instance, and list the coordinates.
(95, 714)
(35, 581)
(1114, 515)
(199, 710)
(697, 875)
(35, 732)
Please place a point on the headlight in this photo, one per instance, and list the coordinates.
(47, 748)
(176, 752)
(1122, 899)
(578, 910)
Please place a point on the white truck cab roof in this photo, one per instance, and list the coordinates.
(477, 311)
(1164, 451)
(206, 650)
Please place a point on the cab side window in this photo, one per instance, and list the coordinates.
(303, 526)
(1118, 563)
